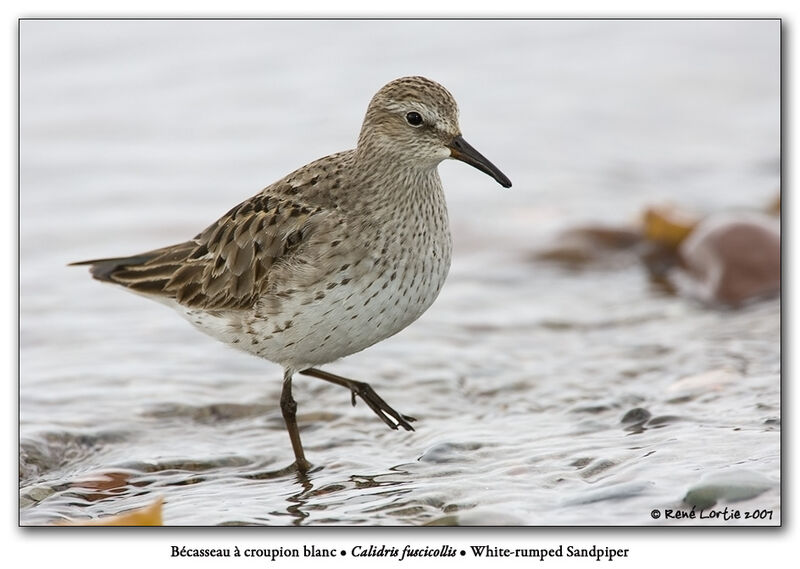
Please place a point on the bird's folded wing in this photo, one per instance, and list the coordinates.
(228, 265)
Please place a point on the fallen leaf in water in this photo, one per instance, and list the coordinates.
(595, 246)
(668, 225)
(146, 516)
(102, 485)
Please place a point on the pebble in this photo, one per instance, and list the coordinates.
(731, 486)
(732, 258)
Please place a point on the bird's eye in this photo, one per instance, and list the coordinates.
(414, 118)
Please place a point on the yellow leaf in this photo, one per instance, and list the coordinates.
(667, 226)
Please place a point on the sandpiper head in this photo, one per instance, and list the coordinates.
(415, 120)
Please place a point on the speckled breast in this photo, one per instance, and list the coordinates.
(374, 296)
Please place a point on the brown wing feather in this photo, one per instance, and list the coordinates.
(228, 264)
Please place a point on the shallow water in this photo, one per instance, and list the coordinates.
(543, 395)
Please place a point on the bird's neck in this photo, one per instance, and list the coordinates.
(390, 179)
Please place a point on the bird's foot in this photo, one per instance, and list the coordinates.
(368, 395)
(379, 406)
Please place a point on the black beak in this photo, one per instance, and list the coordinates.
(461, 150)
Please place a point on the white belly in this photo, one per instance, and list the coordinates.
(321, 325)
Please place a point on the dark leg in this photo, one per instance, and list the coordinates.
(289, 410)
(363, 390)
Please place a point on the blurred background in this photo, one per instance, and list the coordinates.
(609, 333)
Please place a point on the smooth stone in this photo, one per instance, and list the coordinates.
(732, 486)
(636, 415)
(597, 467)
(731, 258)
(712, 380)
(36, 494)
(445, 453)
(613, 492)
(479, 517)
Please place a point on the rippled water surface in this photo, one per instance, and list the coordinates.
(544, 395)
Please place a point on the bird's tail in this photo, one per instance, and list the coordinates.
(146, 273)
(104, 269)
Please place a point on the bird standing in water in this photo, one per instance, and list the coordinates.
(338, 255)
